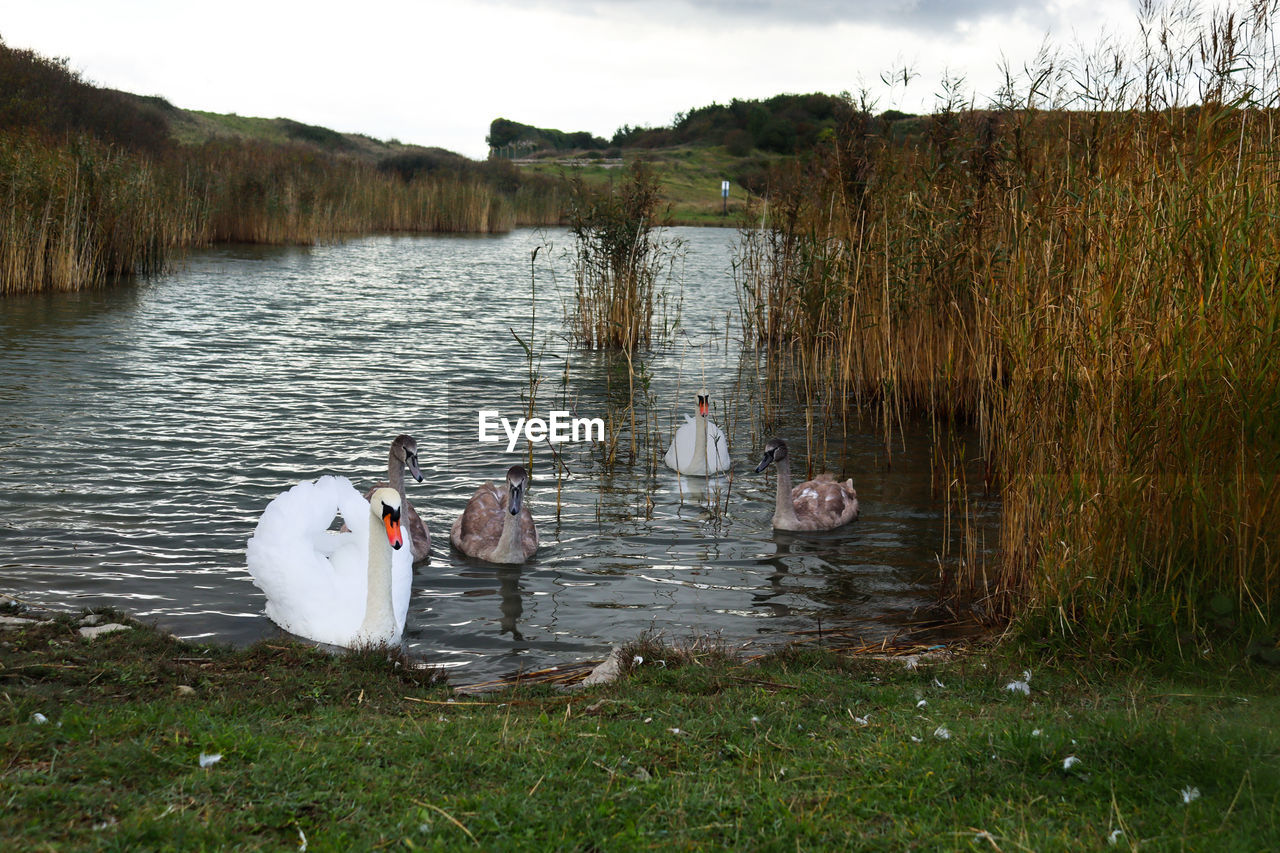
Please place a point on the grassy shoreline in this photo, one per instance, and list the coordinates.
(803, 748)
(689, 179)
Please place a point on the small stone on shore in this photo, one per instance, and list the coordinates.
(11, 623)
(607, 671)
(93, 631)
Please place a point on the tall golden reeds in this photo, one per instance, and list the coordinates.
(261, 193)
(620, 257)
(76, 214)
(1090, 272)
(79, 211)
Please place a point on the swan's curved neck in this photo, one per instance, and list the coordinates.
(507, 550)
(395, 473)
(700, 442)
(784, 509)
(379, 616)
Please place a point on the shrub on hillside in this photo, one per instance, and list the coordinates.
(42, 94)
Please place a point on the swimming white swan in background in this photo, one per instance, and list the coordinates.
(818, 504)
(346, 589)
(404, 452)
(496, 525)
(699, 447)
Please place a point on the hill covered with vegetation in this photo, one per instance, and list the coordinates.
(42, 95)
(784, 124)
(753, 144)
(512, 139)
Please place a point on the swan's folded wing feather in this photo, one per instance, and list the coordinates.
(825, 501)
(718, 449)
(296, 562)
(680, 455)
(681, 449)
(418, 534)
(481, 519)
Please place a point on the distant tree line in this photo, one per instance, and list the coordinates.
(511, 138)
(783, 124)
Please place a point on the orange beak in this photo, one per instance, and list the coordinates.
(393, 531)
(703, 408)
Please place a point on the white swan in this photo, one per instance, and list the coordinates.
(346, 589)
(818, 504)
(404, 453)
(699, 447)
(497, 526)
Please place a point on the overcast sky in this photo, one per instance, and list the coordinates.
(436, 73)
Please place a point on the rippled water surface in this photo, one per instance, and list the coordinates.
(144, 428)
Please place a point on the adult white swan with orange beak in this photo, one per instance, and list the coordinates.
(347, 589)
(699, 447)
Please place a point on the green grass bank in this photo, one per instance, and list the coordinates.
(689, 179)
(804, 749)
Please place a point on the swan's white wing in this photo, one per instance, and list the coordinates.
(350, 504)
(717, 450)
(680, 456)
(315, 580)
(669, 459)
(681, 450)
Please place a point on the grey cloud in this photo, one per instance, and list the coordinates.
(934, 15)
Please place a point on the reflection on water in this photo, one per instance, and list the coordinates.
(143, 429)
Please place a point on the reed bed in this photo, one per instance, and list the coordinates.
(282, 194)
(79, 212)
(624, 268)
(1089, 272)
(539, 201)
(73, 216)
(620, 258)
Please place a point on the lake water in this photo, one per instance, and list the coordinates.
(143, 429)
